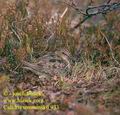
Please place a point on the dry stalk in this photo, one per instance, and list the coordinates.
(110, 47)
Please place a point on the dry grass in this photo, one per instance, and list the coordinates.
(31, 30)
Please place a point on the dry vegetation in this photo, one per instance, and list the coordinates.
(79, 70)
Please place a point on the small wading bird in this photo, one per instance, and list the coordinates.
(51, 64)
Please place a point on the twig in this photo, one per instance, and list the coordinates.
(74, 7)
(63, 14)
(108, 1)
(94, 10)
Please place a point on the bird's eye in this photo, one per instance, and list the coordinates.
(52, 60)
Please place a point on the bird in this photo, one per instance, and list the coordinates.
(51, 64)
